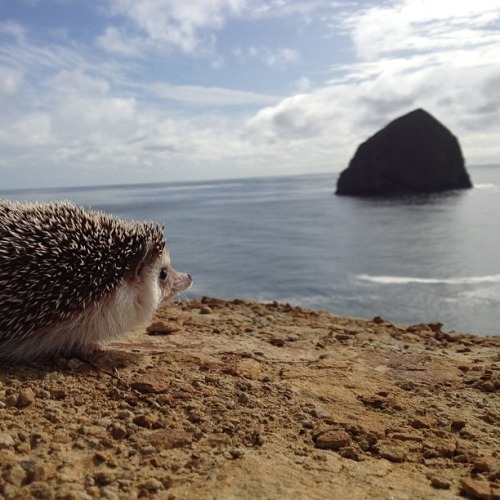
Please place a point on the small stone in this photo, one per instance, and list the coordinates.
(143, 421)
(421, 423)
(440, 484)
(475, 489)
(333, 440)
(147, 450)
(435, 327)
(43, 394)
(100, 457)
(11, 400)
(149, 385)
(276, 342)
(488, 386)
(237, 453)
(125, 414)
(243, 399)
(118, 431)
(486, 464)
(167, 439)
(205, 310)
(6, 440)
(392, 454)
(15, 475)
(41, 471)
(457, 425)
(420, 327)
(152, 485)
(160, 328)
(58, 394)
(26, 397)
(104, 477)
(349, 452)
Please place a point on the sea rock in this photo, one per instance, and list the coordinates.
(413, 154)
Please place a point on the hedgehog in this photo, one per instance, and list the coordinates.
(72, 280)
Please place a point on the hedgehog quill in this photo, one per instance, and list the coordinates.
(72, 280)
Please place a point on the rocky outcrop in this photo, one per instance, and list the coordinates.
(413, 154)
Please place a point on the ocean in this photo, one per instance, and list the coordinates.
(410, 260)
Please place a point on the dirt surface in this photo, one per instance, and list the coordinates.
(239, 399)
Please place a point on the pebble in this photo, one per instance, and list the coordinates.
(458, 424)
(118, 431)
(143, 421)
(160, 328)
(104, 478)
(6, 440)
(333, 440)
(243, 399)
(350, 452)
(487, 464)
(150, 386)
(421, 423)
(167, 439)
(440, 484)
(15, 475)
(488, 386)
(476, 489)
(152, 485)
(26, 397)
(237, 453)
(392, 454)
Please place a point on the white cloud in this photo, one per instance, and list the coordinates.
(303, 85)
(278, 57)
(33, 129)
(114, 41)
(168, 23)
(10, 80)
(424, 25)
(13, 29)
(209, 96)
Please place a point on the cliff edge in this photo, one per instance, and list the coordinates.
(240, 399)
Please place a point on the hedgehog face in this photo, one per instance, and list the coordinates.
(149, 282)
(170, 281)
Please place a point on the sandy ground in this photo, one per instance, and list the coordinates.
(239, 399)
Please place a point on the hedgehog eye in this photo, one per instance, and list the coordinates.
(163, 274)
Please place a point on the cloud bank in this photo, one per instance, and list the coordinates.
(155, 94)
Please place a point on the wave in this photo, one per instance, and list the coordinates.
(485, 185)
(403, 280)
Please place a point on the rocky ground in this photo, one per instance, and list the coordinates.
(239, 399)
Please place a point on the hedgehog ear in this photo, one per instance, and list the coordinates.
(138, 262)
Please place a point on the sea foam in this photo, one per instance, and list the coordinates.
(403, 280)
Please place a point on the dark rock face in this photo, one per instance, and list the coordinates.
(413, 154)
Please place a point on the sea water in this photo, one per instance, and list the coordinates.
(410, 259)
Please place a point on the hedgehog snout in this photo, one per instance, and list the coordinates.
(174, 282)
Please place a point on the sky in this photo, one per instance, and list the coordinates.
(102, 92)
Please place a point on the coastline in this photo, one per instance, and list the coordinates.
(241, 399)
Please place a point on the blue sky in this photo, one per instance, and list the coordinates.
(125, 91)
